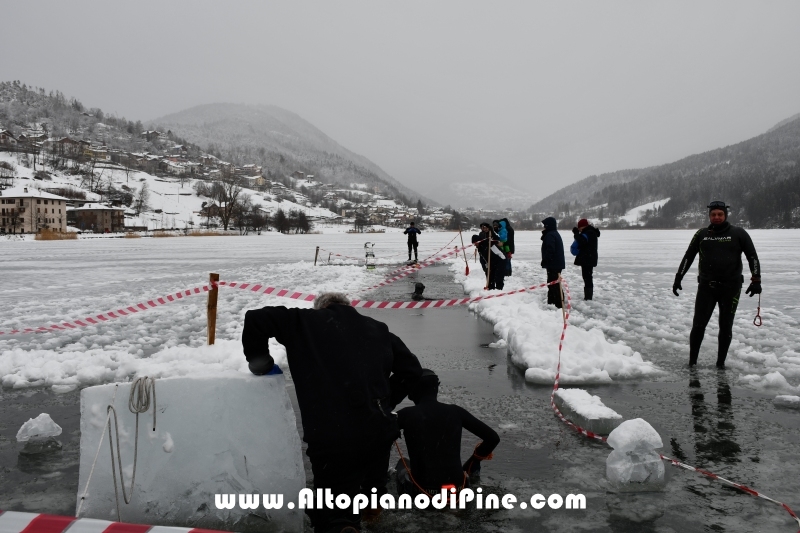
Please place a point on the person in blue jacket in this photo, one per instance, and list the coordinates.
(552, 258)
(584, 248)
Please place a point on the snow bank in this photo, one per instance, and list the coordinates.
(532, 330)
(773, 381)
(168, 341)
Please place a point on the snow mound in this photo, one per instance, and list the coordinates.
(532, 330)
(635, 436)
(773, 381)
(40, 427)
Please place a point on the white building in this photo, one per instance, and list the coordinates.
(28, 210)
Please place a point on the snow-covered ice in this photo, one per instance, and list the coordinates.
(532, 331)
(40, 427)
(229, 434)
(635, 329)
(586, 410)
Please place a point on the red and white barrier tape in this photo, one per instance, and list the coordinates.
(601, 438)
(109, 315)
(15, 522)
(424, 264)
(374, 304)
(417, 266)
(261, 289)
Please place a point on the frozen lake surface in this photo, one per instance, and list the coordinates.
(724, 422)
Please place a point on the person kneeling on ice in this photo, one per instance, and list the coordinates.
(432, 431)
(720, 246)
(349, 372)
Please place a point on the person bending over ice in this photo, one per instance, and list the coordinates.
(720, 277)
(432, 431)
(349, 372)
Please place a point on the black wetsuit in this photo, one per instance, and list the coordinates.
(720, 281)
(432, 431)
(349, 372)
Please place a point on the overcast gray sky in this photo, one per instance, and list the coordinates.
(545, 93)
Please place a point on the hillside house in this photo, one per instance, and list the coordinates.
(97, 218)
(7, 139)
(27, 210)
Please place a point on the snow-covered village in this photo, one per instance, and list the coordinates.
(298, 267)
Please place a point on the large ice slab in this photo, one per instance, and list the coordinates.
(587, 411)
(634, 465)
(231, 434)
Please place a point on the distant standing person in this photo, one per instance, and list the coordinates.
(584, 248)
(412, 231)
(481, 242)
(552, 259)
(720, 279)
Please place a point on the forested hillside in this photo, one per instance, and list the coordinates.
(759, 177)
(280, 141)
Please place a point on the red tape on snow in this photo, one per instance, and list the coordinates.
(108, 315)
(601, 438)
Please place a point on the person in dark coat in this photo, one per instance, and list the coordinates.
(584, 248)
(491, 257)
(552, 259)
(509, 249)
(412, 231)
(720, 279)
(432, 431)
(349, 372)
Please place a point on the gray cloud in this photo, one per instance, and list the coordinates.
(542, 93)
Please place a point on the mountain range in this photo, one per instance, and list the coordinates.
(464, 185)
(758, 177)
(280, 141)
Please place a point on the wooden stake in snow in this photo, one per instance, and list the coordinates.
(316, 254)
(463, 251)
(213, 290)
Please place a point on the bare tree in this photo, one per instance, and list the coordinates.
(141, 201)
(227, 192)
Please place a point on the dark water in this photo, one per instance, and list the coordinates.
(702, 417)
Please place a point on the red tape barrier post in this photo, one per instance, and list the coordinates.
(601, 438)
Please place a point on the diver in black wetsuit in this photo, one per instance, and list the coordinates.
(432, 431)
(720, 246)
